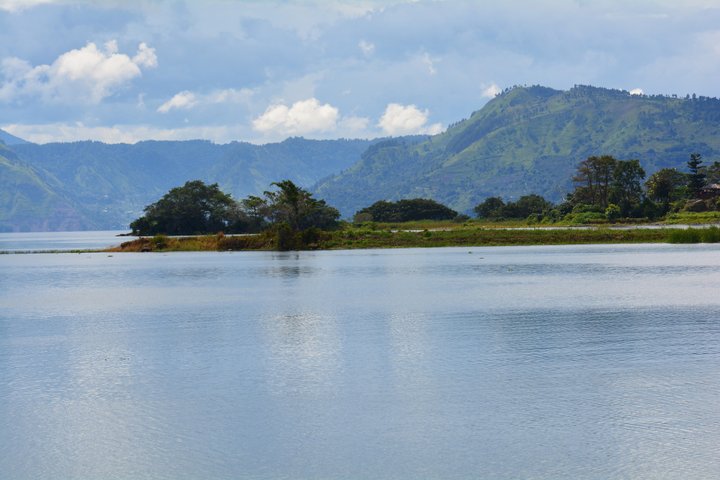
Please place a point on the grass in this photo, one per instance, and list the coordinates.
(692, 218)
(351, 237)
(695, 235)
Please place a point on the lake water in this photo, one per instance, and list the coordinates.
(577, 362)
(58, 241)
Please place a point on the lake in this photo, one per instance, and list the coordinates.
(592, 362)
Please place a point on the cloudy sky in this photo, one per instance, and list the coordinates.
(260, 71)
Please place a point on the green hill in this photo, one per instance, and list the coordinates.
(529, 140)
(96, 185)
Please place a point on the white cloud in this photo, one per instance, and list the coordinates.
(85, 75)
(17, 5)
(492, 91)
(637, 91)
(429, 62)
(367, 48)
(71, 132)
(183, 100)
(406, 120)
(354, 126)
(303, 117)
(186, 100)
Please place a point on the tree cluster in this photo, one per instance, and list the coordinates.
(405, 211)
(610, 189)
(197, 208)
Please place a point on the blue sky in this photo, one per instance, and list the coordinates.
(124, 71)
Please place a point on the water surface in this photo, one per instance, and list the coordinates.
(593, 362)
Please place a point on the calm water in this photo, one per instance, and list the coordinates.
(598, 362)
(39, 241)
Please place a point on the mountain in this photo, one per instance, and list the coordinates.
(8, 139)
(29, 203)
(92, 185)
(529, 140)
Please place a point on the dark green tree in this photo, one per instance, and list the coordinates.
(525, 206)
(666, 185)
(593, 179)
(291, 205)
(696, 178)
(626, 186)
(491, 208)
(407, 210)
(194, 208)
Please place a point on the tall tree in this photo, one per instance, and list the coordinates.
(696, 178)
(593, 178)
(626, 187)
(666, 185)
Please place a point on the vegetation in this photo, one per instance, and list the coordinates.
(405, 211)
(289, 217)
(92, 185)
(530, 140)
(611, 190)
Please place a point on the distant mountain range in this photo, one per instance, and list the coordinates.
(526, 140)
(530, 140)
(92, 185)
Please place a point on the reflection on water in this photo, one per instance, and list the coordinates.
(533, 362)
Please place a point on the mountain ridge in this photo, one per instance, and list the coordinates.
(530, 140)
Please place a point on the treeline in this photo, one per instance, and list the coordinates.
(289, 215)
(607, 189)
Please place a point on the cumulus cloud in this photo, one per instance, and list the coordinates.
(303, 117)
(637, 91)
(406, 120)
(87, 75)
(491, 91)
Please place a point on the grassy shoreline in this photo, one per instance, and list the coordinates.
(390, 236)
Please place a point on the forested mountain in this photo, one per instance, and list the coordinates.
(30, 202)
(529, 140)
(526, 140)
(91, 185)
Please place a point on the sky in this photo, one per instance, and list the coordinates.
(262, 71)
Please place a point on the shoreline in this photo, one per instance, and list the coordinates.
(355, 238)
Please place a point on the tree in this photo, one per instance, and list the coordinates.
(626, 188)
(491, 208)
(666, 185)
(525, 206)
(194, 208)
(593, 179)
(293, 206)
(712, 173)
(696, 178)
(407, 210)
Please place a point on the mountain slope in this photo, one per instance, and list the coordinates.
(29, 203)
(530, 140)
(110, 184)
(8, 139)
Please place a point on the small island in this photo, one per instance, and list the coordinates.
(610, 204)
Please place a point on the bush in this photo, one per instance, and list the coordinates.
(612, 212)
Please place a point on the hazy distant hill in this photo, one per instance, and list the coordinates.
(96, 185)
(530, 140)
(8, 139)
(29, 202)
